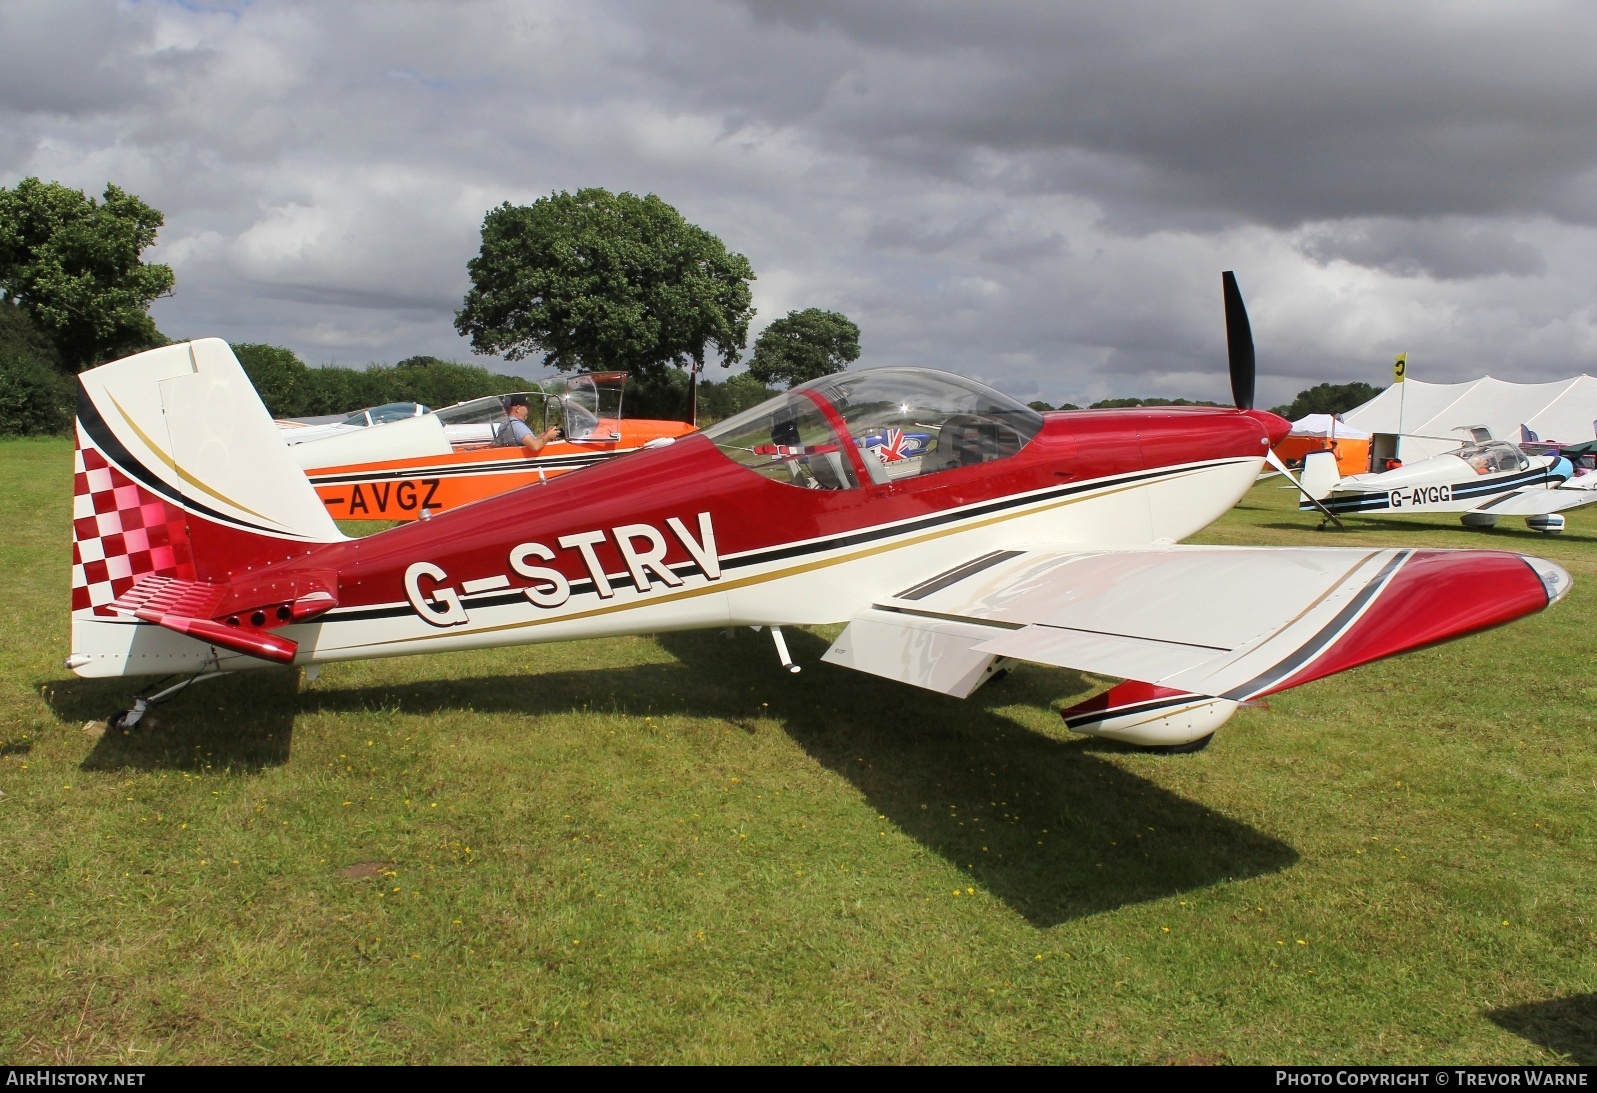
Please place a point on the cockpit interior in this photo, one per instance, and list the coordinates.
(1493, 457)
(877, 426)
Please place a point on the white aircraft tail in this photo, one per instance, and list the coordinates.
(179, 474)
(1320, 474)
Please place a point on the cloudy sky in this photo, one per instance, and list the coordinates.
(1039, 194)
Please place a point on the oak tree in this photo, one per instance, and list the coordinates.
(804, 345)
(73, 265)
(596, 281)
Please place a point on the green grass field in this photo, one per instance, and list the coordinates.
(667, 849)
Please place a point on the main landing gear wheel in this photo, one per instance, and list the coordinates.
(1181, 749)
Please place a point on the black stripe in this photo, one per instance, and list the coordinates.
(561, 463)
(1319, 641)
(111, 448)
(1546, 590)
(957, 574)
(996, 624)
(1498, 501)
(837, 542)
(1134, 707)
(1476, 488)
(1367, 502)
(1462, 491)
(860, 538)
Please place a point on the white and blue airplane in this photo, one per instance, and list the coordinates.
(1483, 481)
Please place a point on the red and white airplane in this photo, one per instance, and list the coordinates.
(200, 548)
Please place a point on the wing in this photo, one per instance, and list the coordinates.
(1539, 502)
(1189, 624)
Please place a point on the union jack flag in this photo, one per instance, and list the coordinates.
(892, 447)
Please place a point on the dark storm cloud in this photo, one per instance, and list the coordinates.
(1259, 112)
(1039, 194)
(1447, 252)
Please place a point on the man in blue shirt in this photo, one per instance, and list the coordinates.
(516, 433)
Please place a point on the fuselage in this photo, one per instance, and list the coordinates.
(1449, 482)
(682, 537)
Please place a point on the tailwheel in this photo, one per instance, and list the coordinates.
(128, 719)
(125, 720)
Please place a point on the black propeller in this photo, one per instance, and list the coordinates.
(1238, 343)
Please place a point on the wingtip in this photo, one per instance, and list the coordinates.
(1555, 578)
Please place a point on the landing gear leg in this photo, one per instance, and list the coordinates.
(128, 719)
(781, 651)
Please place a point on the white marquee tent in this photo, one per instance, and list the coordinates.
(1563, 411)
(1327, 426)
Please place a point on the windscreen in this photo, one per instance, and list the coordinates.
(1494, 457)
(593, 404)
(787, 440)
(910, 421)
(396, 411)
(903, 421)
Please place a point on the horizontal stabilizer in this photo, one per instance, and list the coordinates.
(255, 643)
(169, 595)
(187, 607)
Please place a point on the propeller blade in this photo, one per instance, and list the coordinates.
(1275, 461)
(1238, 343)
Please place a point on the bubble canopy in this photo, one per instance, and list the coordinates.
(875, 427)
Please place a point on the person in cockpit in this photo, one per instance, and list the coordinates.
(516, 433)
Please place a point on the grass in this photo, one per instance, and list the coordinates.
(666, 849)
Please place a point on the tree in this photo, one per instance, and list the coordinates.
(1328, 398)
(804, 345)
(436, 382)
(73, 264)
(600, 281)
(35, 397)
(282, 380)
(291, 389)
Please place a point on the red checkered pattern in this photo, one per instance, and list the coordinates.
(120, 532)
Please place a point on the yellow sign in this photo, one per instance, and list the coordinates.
(1400, 368)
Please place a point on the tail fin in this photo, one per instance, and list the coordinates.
(180, 474)
(1320, 474)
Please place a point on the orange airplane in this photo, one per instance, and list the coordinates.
(417, 467)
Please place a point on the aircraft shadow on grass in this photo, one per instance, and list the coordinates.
(1047, 825)
(241, 722)
(1567, 1026)
(1043, 824)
